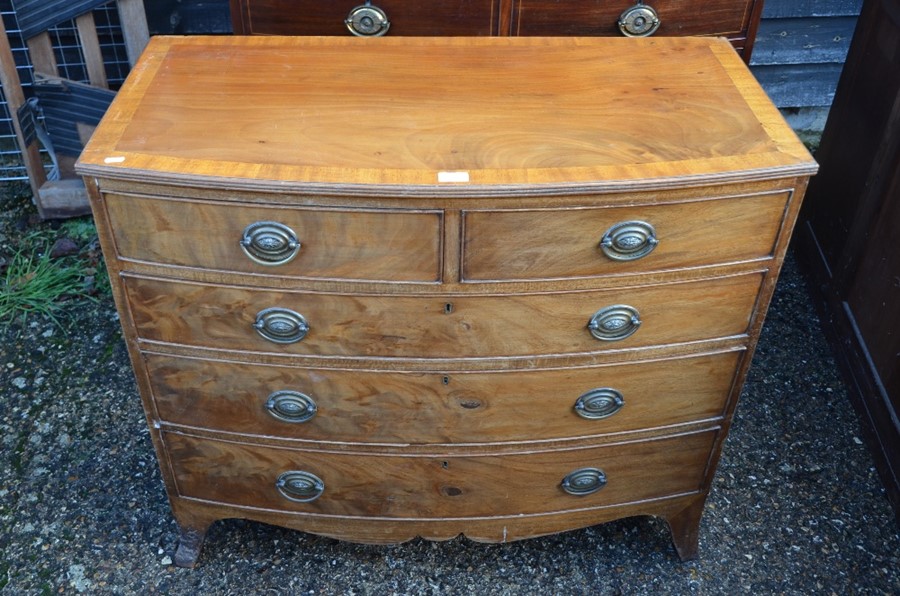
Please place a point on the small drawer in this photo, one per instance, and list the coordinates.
(430, 487)
(589, 242)
(404, 17)
(365, 406)
(313, 243)
(448, 326)
(676, 17)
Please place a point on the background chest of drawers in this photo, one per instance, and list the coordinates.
(511, 289)
(736, 20)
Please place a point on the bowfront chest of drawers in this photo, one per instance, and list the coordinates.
(379, 289)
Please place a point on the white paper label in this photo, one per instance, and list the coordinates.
(453, 176)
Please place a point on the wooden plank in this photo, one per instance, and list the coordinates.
(782, 9)
(40, 50)
(90, 46)
(64, 198)
(803, 41)
(134, 27)
(12, 89)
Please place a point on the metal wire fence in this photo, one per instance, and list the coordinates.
(72, 66)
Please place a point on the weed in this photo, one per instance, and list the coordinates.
(33, 284)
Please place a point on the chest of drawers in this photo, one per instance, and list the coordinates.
(379, 289)
(736, 20)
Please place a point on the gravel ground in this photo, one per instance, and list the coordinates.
(796, 506)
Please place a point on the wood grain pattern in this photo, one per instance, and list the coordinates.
(564, 243)
(419, 326)
(337, 244)
(441, 104)
(371, 406)
(437, 487)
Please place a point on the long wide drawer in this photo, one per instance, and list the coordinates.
(428, 487)
(439, 326)
(367, 406)
(363, 244)
(314, 17)
(677, 17)
(562, 243)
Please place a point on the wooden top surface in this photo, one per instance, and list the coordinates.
(442, 115)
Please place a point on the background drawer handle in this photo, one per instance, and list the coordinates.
(270, 243)
(367, 21)
(629, 241)
(300, 486)
(291, 406)
(639, 21)
(614, 322)
(584, 481)
(281, 325)
(599, 403)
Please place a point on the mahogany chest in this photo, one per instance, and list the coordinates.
(503, 287)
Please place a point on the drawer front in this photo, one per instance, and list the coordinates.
(677, 17)
(406, 17)
(430, 407)
(561, 243)
(370, 485)
(462, 326)
(337, 244)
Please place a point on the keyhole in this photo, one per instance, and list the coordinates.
(448, 308)
(445, 465)
(445, 380)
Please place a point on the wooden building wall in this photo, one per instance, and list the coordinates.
(800, 48)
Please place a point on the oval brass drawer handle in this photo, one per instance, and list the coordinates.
(300, 486)
(281, 325)
(584, 481)
(270, 243)
(639, 21)
(599, 403)
(291, 406)
(367, 20)
(614, 323)
(629, 241)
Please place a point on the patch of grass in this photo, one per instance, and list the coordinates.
(35, 284)
(80, 229)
